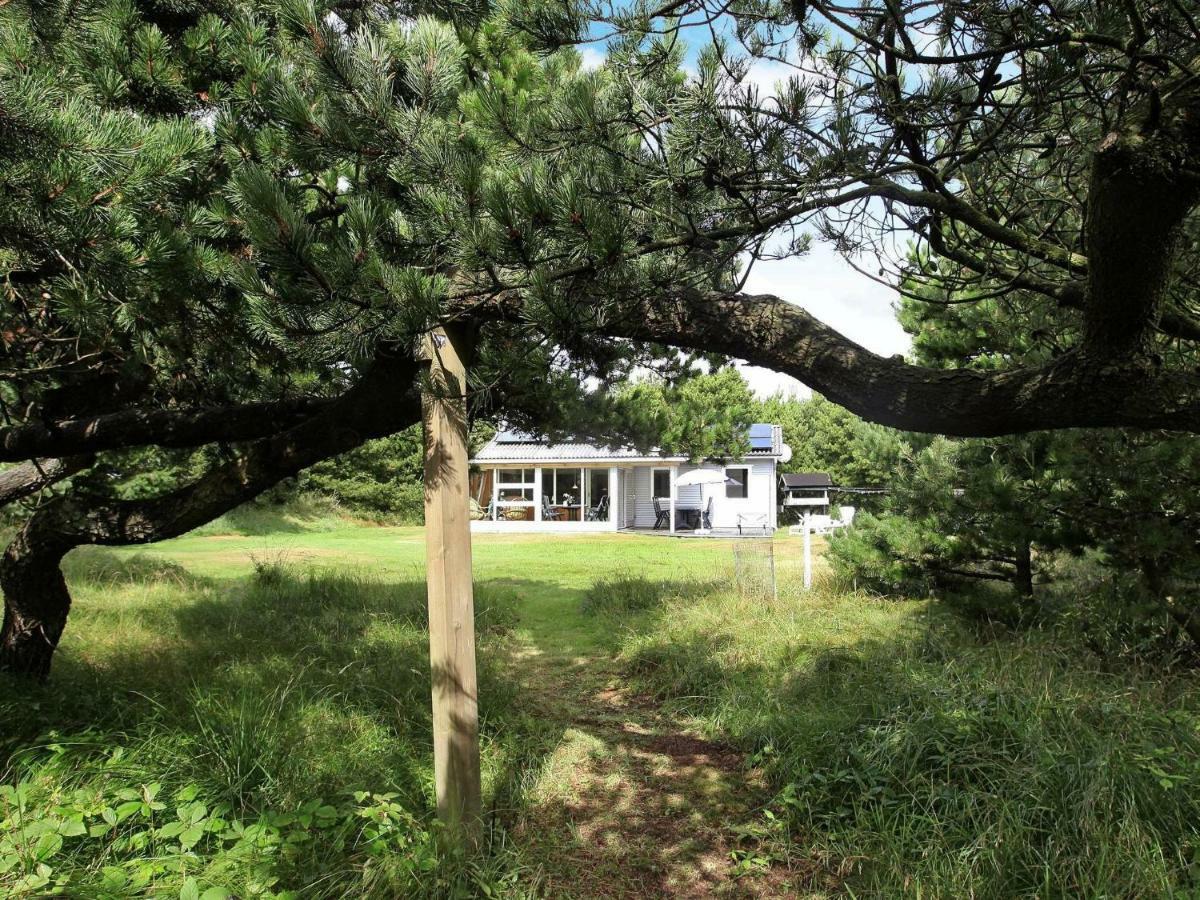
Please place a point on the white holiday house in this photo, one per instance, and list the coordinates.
(525, 484)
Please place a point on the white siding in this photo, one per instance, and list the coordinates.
(760, 499)
(636, 510)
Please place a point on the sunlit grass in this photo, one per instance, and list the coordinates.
(909, 758)
(903, 755)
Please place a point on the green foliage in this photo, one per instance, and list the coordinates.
(885, 554)
(701, 416)
(825, 437)
(965, 516)
(265, 737)
(381, 479)
(115, 839)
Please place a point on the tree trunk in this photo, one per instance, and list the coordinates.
(36, 605)
(1023, 578)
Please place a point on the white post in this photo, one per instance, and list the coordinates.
(537, 495)
(674, 494)
(495, 495)
(614, 483)
(807, 554)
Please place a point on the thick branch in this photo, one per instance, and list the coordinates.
(31, 477)
(1071, 391)
(36, 596)
(380, 404)
(162, 427)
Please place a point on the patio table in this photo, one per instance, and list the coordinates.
(689, 515)
(572, 512)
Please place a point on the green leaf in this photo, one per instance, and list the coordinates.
(72, 828)
(191, 836)
(48, 844)
(190, 890)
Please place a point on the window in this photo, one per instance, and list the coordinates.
(597, 485)
(514, 485)
(661, 483)
(562, 485)
(740, 490)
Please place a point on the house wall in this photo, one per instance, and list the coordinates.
(760, 499)
(634, 507)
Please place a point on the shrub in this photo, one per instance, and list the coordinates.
(883, 554)
(118, 839)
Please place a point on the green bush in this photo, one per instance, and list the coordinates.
(260, 738)
(117, 839)
(883, 554)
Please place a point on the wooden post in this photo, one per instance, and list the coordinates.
(451, 603)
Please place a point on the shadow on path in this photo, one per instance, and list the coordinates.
(630, 803)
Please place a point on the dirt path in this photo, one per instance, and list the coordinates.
(630, 804)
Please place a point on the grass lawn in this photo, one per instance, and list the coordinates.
(246, 714)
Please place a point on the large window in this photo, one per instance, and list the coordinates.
(597, 486)
(661, 486)
(563, 486)
(739, 490)
(515, 486)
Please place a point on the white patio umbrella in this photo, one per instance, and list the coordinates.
(702, 477)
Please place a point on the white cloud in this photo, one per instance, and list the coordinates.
(591, 58)
(829, 288)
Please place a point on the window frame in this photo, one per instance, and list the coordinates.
(653, 474)
(745, 483)
(527, 488)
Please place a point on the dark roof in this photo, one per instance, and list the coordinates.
(807, 480)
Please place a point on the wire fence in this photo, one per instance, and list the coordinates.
(754, 568)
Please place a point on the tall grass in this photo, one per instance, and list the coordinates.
(908, 757)
(281, 723)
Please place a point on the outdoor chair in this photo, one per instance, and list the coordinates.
(599, 512)
(549, 513)
(661, 516)
(706, 516)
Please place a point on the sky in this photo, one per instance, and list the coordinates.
(829, 288)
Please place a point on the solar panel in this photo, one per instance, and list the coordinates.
(761, 437)
(514, 437)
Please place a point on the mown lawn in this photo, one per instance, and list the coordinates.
(246, 714)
